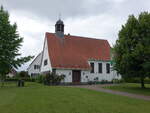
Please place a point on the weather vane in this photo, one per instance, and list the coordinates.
(59, 16)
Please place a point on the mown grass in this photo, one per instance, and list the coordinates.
(37, 98)
(131, 88)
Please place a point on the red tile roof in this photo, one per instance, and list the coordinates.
(73, 52)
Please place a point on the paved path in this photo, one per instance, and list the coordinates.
(99, 88)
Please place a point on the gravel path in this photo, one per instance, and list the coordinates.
(99, 88)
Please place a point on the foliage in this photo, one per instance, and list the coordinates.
(40, 79)
(99, 82)
(116, 81)
(16, 79)
(104, 81)
(50, 79)
(22, 77)
(23, 74)
(10, 43)
(91, 82)
(136, 80)
(132, 49)
(53, 79)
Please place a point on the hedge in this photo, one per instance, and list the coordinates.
(16, 79)
(137, 80)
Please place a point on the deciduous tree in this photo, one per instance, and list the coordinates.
(132, 49)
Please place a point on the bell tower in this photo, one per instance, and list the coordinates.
(59, 28)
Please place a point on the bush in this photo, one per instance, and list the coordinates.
(23, 74)
(117, 81)
(104, 81)
(147, 80)
(11, 79)
(91, 82)
(16, 79)
(40, 78)
(50, 79)
(132, 80)
(99, 82)
(137, 80)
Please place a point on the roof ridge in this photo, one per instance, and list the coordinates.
(35, 57)
(79, 36)
(86, 37)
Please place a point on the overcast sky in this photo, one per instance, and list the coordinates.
(90, 18)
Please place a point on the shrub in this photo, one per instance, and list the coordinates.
(116, 81)
(137, 80)
(16, 79)
(40, 78)
(104, 81)
(132, 80)
(98, 82)
(91, 82)
(50, 79)
(147, 80)
(23, 74)
(11, 79)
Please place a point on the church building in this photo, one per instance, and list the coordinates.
(80, 59)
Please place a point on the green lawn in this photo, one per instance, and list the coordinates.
(131, 88)
(36, 98)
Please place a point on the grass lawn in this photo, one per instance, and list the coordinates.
(131, 88)
(36, 98)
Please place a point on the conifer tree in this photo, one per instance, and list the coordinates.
(10, 43)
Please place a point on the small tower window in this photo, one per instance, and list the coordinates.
(58, 27)
(62, 28)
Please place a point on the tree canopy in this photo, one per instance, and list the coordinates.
(132, 49)
(10, 43)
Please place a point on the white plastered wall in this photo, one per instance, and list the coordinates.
(86, 75)
(45, 56)
(36, 61)
(67, 73)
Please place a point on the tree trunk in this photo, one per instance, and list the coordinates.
(142, 82)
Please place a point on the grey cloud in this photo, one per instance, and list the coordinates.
(114, 13)
(50, 9)
(68, 8)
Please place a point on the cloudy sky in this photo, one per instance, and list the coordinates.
(90, 18)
